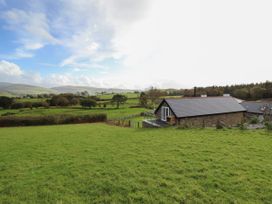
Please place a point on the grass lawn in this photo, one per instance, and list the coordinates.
(97, 163)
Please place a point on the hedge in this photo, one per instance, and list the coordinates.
(11, 121)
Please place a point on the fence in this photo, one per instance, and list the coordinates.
(130, 121)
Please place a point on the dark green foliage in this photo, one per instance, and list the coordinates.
(17, 105)
(28, 105)
(243, 91)
(268, 126)
(74, 101)
(43, 104)
(143, 99)
(242, 126)
(88, 103)
(154, 96)
(118, 99)
(59, 101)
(64, 100)
(10, 121)
(254, 120)
(6, 102)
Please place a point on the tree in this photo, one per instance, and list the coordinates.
(88, 103)
(74, 101)
(118, 99)
(62, 101)
(59, 100)
(154, 96)
(257, 92)
(143, 99)
(242, 93)
(17, 105)
(6, 102)
(28, 104)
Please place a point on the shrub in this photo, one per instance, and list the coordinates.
(17, 105)
(242, 126)
(268, 126)
(74, 101)
(89, 103)
(40, 104)
(11, 121)
(6, 102)
(254, 120)
(27, 105)
(59, 101)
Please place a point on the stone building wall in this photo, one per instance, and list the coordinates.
(229, 119)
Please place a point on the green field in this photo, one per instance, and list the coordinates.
(97, 163)
(112, 113)
(128, 95)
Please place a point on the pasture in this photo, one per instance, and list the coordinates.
(112, 113)
(97, 163)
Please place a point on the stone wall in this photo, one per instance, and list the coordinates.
(229, 119)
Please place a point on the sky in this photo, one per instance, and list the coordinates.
(135, 43)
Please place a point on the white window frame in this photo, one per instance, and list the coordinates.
(165, 112)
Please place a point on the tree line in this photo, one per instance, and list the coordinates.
(253, 91)
(63, 100)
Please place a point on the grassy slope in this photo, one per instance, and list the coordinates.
(99, 163)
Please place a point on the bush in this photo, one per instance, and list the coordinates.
(28, 105)
(254, 120)
(59, 101)
(40, 104)
(6, 102)
(242, 126)
(88, 103)
(17, 105)
(268, 126)
(74, 101)
(11, 121)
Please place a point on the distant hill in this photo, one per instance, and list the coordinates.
(9, 89)
(90, 90)
(12, 90)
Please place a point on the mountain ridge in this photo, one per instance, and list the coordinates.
(14, 89)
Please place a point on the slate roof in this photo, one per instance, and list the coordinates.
(255, 107)
(191, 107)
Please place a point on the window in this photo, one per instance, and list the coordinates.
(165, 112)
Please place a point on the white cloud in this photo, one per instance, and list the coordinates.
(194, 43)
(10, 69)
(11, 72)
(32, 28)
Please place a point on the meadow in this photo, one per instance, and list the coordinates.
(97, 163)
(112, 113)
